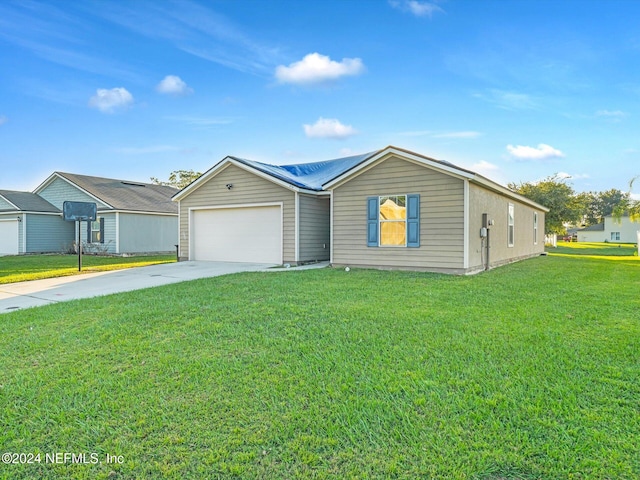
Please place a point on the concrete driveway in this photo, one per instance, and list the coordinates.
(15, 296)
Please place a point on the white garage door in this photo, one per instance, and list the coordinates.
(247, 234)
(8, 237)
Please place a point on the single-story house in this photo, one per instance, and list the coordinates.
(133, 217)
(615, 230)
(391, 208)
(30, 224)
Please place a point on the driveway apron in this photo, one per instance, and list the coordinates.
(16, 296)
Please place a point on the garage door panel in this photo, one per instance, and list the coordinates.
(8, 237)
(251, 234)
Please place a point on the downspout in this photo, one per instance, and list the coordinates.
(488, 248)
(331, 227)
(296, 228)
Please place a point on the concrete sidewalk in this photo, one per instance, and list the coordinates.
(16, 296)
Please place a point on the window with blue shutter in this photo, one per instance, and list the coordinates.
(393, 221)
(372, 222)
(413, 220)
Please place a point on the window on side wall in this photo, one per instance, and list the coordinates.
(393, 221)
(97, 230)
(511, 225)
(535, 228)
(615, 236)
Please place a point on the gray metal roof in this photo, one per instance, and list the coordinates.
(27, 202)
(126, 194)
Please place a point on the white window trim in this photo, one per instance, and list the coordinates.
(97, 220)
(535, 228)
(511, 224)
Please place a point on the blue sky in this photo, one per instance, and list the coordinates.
(515, 90)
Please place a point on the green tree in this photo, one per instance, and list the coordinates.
(601, 204)
(178, 178)
(554, 193)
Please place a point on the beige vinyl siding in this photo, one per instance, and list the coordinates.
(496, 206)
(441, 218)
(248, 188)
(314, 228)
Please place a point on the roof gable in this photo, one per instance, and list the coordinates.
(25, 202)
(390, 151)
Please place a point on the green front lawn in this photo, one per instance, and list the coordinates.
(21, 268)
(511, 374)
(595, 249)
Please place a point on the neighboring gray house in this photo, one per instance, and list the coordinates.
(386, 209)
(30, 224)
(613, 230)
(133, 217)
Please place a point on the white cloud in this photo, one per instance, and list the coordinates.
(174, 85)
(3, 119)
(329, 128)
(417, 8)
(541, 152)
(316, 68)
(484, 166)
(108, 101)
(421, 9)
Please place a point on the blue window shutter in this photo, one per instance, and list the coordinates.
(88, 231)
(372, 221)
(101, 229)
(413, 220)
